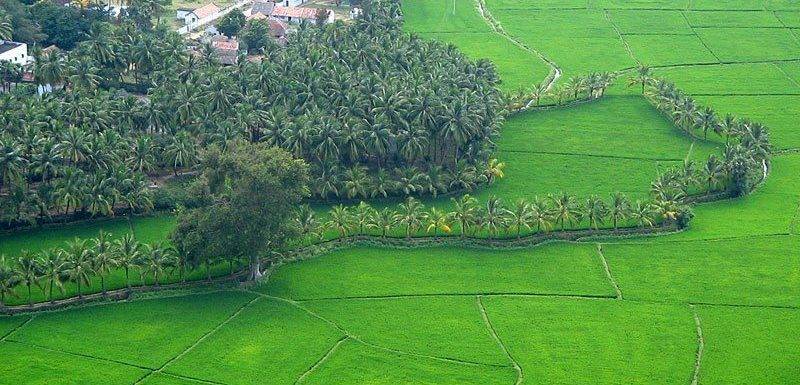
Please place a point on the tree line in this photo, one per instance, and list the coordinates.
(373, 110)
(745, 158)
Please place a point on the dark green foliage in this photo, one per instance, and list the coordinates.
(230, 24)
(256, 188)
(65, 26)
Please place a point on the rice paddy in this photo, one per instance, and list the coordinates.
(716, 304)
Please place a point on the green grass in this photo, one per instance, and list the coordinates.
(753, 5)
(558, 268)
(602, 128)
(733, 19)
(662, 50)
(650, 22)
(23, 364)
(354, 363)
(146, 333)
(443, 16)
(789, 18)
(578, 341)
(450, 327)
(730, 79)
(750, 44)
(519, 69)
(573, 23)
(270, 340)
(536, 4)
(165, 379)
(782, 5)
(750, 346)
(639, 4)
(751, 271)
(9, 324)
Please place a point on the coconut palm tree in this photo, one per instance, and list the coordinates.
(493, 217)
(521, 216)
(341, 220)
(5, 26)
(306, 221)
(79, 255)
(29, 272)
(566, 209)
(383, 220)
(436, 220)
(642, 214)
(8, 281)
(596, 211)
(55, 270)
(619, 209)
(643, 76)
(713, 172)
(541, 214)
(127, 251)
(411, 215)
(361, 216)
(157, 260)
(103, 260)
(494, 170)
(465, 212)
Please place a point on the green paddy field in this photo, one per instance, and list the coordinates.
(718, 304)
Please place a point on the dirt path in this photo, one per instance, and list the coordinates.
(555, 71)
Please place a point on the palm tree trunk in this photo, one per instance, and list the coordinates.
(50, 292)
(30, 297)
(103, 284)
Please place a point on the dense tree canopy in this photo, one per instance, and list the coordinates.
(373, 110)
(255, 188)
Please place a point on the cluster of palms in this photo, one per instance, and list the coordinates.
(347, 98)
(81, 260)
(591, 86)
(747, 144)
(492, 218)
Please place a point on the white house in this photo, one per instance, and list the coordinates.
(191, 17)
(14, 52)
(299, 14)
(291, 3)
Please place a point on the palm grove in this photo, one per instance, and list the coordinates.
(367, 106)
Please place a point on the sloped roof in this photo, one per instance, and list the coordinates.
(206, 10)
(227, 49)
(295, 12)
(262, 7)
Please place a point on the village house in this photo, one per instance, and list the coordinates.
(192, 16)
(227, 49)
(299, 14)
(14, 52)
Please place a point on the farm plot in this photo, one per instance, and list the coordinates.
(443, 16)
(739, 5)
(640, 4)
(269, 339)
(146, 333)
(24, 364)
(750, 44)
(603, 128)
(666, 50)
(650, 22)
(558, 268)
(447, 327)
(731, 79)
(750, 345)
(578, 341)
(355, 363)
(762, 270)
(733, 19)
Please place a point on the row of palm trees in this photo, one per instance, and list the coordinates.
(80, 261)
(746, 156)
(591, 86)
(492, 218)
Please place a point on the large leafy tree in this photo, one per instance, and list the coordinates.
(256, 188)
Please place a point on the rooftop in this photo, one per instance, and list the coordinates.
(206, 10)
(296, 12)
(6, 45)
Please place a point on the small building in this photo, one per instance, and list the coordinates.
(261, 9)
(14, 52)
(355, 13)
(197, 14)
(227, 49)
(181, 13)
(292, 3)
(298, 15)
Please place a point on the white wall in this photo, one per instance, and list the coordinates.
(17, 55)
